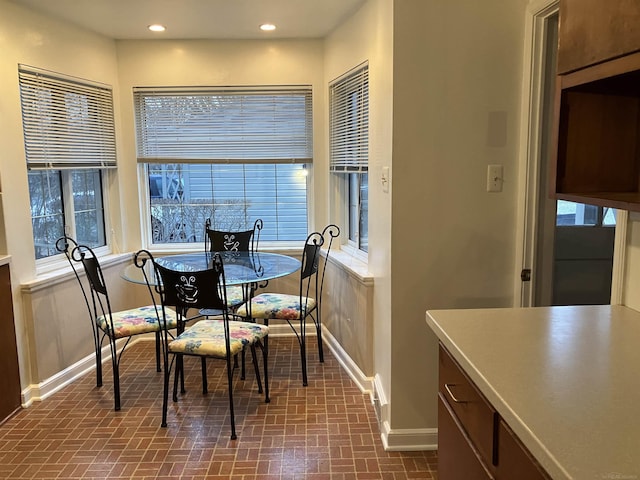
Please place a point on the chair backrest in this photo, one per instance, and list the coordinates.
(97, 297)
(203, 289)
(330, 232)
(309, 267)
(239, 241)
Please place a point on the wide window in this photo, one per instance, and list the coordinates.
(232, 155)
(349, 150)
(69, 140)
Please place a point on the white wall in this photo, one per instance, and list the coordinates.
(31, 39)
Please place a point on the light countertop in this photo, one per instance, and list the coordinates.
(566, 379)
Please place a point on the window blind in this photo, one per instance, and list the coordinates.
(223, 125)
(349, 122)
(67, 123)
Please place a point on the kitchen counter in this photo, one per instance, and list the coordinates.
(565, 379)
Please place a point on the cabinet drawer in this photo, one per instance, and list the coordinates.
(457, 458)
(475, 415)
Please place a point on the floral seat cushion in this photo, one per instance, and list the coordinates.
(207, 338)
(137, 321)
(235, 296)
(277, 306)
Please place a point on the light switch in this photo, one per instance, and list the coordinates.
(494, 178)
(385, 179)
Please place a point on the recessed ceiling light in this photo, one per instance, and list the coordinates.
(267, 27)
(156, 28)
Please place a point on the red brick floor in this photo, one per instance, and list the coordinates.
(326, 431)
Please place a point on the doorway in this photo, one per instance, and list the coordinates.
(568, 248)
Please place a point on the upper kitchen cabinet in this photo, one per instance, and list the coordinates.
(592, 31)
(597, 107)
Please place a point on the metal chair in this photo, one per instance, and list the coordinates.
(220, 339)
(307, 303)
(106, 323)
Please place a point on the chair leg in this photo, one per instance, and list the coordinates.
(158, 340)
(265, 356)
(203, 362)
(303, 352)
(176, 376)
(98, 365)
(231, 411)
(255, 367)
(116, 375)
(319, 335)
(165, 393)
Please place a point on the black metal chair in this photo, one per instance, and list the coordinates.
(105, 323)
(220, 339)
(307, 303)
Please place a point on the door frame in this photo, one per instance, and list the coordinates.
(530, 154)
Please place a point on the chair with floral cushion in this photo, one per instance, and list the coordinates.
(105, 323)
(220, 338)
(295, 309)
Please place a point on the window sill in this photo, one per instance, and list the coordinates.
(61, 272)
(356, 267)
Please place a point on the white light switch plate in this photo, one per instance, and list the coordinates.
(385, 179)
(494, 178)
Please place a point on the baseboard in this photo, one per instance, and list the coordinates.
(46, 388)
(413, 439)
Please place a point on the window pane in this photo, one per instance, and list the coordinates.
(364, 212)
(47, 215)
(574, 214)
(183, 196)
(88, 207)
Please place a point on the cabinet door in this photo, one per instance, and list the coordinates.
(10, 378)
(592, 31)
(457, 458)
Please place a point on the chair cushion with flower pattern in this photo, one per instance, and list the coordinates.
(137, 320)
(277, 306)
(207, 338)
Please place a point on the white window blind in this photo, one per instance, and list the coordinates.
(349, 122)
(67, 122)
(224, 125)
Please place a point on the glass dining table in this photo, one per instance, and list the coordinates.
(240, 268)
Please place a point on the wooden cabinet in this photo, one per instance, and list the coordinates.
(593, 31)
(473, 441)
(10, 379)
(597, 107)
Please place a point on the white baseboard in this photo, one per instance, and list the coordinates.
(413, 439)
(87, 365)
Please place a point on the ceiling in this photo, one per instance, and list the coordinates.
(200, 19)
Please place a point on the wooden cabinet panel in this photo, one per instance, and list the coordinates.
(10, 379)
(592, 31)
(514, 461)
(456, 456)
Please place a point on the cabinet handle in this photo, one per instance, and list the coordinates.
(453, 397)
